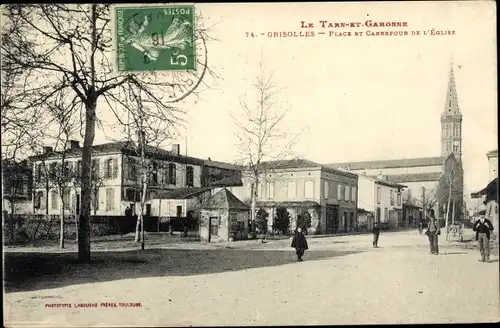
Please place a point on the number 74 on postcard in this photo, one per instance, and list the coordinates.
(155, 38)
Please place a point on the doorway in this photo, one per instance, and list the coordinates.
(213, 227)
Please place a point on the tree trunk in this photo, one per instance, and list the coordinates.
(141, 214)
(3, 199)
(11, 221)
(61, 230)
(453, 213)
(447, 215)
(254, 208)
(84, 226)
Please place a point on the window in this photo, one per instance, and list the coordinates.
(67, 199)
(38, 173)
(130, 195)
(95, 169)
(353, 194)
(171, 174)
(111, 168)
(399, 199)
(270, 190)
(53, 199)
(38, 200)
(339, 191)
(94, 199)
(154, 173)
(189, 176)
(132, 169)
(291, 189)
(53, 169)
(392, 197)
(78, 171)
(326, 186)
(309, 189)
(110, 199)
(346, 193)
(165, 173)
(262, 191)
(378, 195)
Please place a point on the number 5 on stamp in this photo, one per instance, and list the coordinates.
(155, 38)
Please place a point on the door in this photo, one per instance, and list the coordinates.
(377, 217)
(132, 208)
(148, 210)
(335, 219)
(351, 223)
(329, 219)
(213, 227)
(179, 211)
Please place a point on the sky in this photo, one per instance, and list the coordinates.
(353, 98)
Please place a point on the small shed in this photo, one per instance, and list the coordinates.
(224, 218)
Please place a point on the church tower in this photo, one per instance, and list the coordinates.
(451, 122)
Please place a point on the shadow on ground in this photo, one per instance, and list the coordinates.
(35, 271)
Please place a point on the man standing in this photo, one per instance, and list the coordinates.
(433, 232)
(482, 227)
(376, 233)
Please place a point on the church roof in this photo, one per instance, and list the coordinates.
(224, 200)
(414, 177)
(387, 164)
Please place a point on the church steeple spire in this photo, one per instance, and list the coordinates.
(451, 105)
(451, 121)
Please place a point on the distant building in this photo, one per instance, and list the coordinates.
(327, 196)
(427, 177)
(224, 218)
(116, 177)
(382, 199)
(493, 161)
(18, 187)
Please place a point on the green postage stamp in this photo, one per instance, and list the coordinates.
(155, 38)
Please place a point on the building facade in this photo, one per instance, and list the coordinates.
(116, 175)
(328, 197)
(382, 199)
(493, 163)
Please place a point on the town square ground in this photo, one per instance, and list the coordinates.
(343, 280)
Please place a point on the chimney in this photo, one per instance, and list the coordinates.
(382, 177)
(176, 149)
(47, 150)
(74, 144)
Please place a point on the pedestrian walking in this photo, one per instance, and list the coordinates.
(420, 227)
(483, 227)
(299, 242)
(432, 232)
(376, 233)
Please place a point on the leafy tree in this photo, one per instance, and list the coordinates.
(282, 220)
(261, 220)
(304, 220)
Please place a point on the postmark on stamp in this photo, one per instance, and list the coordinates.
(155, 38)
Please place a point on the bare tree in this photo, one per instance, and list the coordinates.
(450, 193)
(69, 48)
(146, 134)
(260, 136)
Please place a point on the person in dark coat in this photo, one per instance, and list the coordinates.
(432, 232)
(299, 242)
(483, 227)
(376, 233)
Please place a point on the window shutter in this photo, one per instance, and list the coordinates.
(115, 168)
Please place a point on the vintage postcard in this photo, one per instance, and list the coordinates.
(249, 164)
